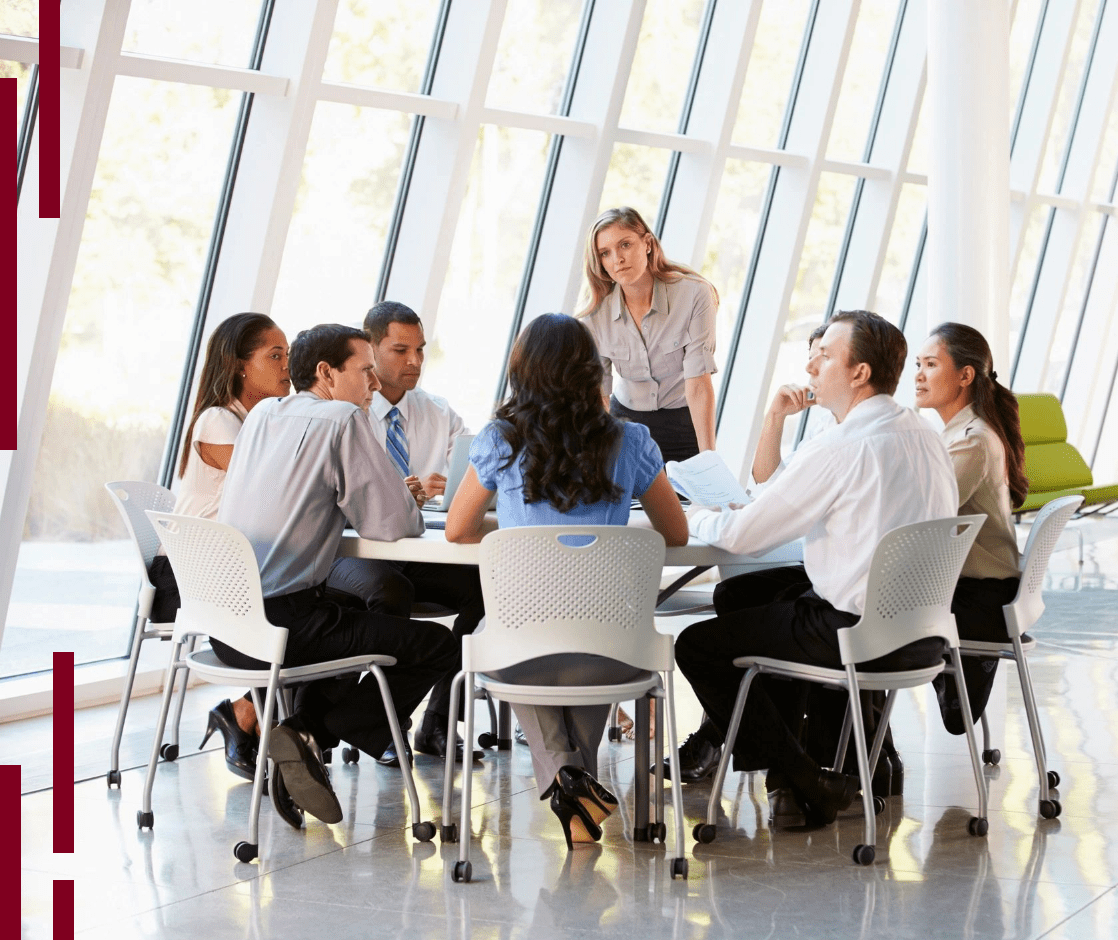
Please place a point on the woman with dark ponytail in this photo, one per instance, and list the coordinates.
(955, 376)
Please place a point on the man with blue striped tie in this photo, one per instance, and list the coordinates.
(417, 430)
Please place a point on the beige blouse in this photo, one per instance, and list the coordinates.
(979, 460)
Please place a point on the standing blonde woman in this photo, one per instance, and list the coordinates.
(653, 322)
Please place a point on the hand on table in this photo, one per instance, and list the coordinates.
(416, 487)
(434, 484)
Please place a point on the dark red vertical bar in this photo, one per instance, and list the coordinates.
(63, 909)
(50, 173)
(8, 368)
(63, 703)
(9, 857)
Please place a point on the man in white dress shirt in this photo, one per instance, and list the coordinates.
(417, 430)
(880, 467)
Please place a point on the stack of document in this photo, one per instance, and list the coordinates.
(706, 480)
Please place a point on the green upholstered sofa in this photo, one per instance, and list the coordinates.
(1054, 467)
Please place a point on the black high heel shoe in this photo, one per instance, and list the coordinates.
(573, 815)
(580, 785)
(240, 745)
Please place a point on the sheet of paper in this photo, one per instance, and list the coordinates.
(705, 479)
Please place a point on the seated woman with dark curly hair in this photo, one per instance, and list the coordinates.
(555, 455)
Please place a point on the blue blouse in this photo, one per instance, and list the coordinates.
(638, 464)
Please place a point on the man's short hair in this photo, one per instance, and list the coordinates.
(327, 342)
(817, 333)
(387, 312)
(877, 343)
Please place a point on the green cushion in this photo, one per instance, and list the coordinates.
(1033, 501)
(1055, 466)
(1042, 419)
(1097, 495)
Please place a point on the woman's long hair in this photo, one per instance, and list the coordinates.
(993, 403)
(600, 283)
(554, 419)
(234, 340)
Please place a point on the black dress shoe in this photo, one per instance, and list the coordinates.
(434, 743)
(698, 759)
(784, 810)
(240, 745)
(299, 760)
(825, 795)
(389, 758)
(283, 804)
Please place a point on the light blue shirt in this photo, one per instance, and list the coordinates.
(638, 463)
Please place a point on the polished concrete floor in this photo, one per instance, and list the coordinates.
(368, 877)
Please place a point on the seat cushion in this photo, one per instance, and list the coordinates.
(1097, 495)
(1034, 501)
(1055, 466)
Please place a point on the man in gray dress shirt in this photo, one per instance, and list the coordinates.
(303, 467)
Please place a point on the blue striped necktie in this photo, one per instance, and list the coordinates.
(397, 442)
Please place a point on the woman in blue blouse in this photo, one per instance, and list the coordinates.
(555, 455)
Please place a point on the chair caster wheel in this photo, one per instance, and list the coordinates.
(679, 868)
(863, 854)
(169, 752)
(658, 832)
(244, 851)
(350, 755)
(614, 735)
(463, 871)
(1053, 780)
(1050, 809)
(978, 826)
(704, 833)
(328, 756)
(878, 805)
(112, 778)
(423, 831)
(487, 739)
(145, 820)
(992, 756)
(449, 834)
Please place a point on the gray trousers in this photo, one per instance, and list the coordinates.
(559, 735)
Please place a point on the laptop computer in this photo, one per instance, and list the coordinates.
(459, 463)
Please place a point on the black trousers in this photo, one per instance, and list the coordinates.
(392, 587)
(977, 606)
(345, 708)
(771, 613)
(671, 428)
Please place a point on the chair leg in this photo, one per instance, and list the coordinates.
(679, 863)
(658, 748)
(138, 638)
(1048, 807)
(462, 868)
(145, 818)
(176, 717)
(978, 824)
(247, 851)
(640, 788)
(863, 854)
(424, 831)
(450, 831)
(702, 833)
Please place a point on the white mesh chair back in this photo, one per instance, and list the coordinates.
(544, 595)
(911, 583)
(219, 584)
(132, 499)
(1045, 533)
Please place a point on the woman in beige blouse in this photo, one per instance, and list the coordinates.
(955, 376)
(653, 322)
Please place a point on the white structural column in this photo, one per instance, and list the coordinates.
(968, 166)
(580, 172)
(717, 93)
(48, 252)
(783, 233)
(446, 151)
(1067, 221)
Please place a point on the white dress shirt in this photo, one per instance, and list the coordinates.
(979, 460)
(882, 467)
(302, 467)
(430, 425)
(200, 491)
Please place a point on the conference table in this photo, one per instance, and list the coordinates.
(696, 556)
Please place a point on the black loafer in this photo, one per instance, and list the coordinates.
(389, 757)
(784, 810)
(830, 792)
(698, 759)
(434, 743)
(282, 803)
(298, 758)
